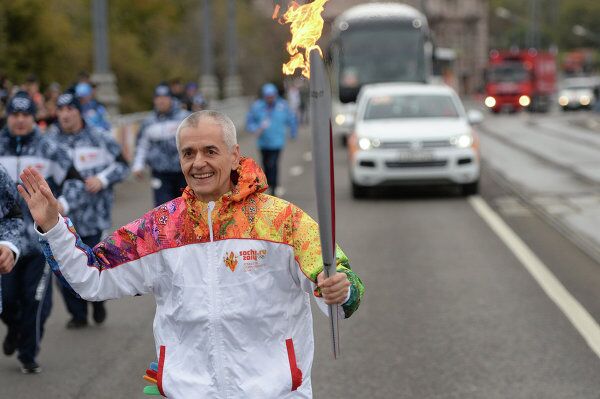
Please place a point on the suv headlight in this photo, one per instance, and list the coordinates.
(365, 143)
(462, 141)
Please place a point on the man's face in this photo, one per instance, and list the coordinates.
(19, 123)
(206, 161)
(162, 104)
(69, 119)
(85, 99)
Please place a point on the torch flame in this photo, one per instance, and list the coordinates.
(306, 27)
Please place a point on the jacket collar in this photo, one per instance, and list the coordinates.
(23, 140)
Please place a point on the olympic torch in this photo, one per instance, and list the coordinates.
(320, 108)
(306, 25)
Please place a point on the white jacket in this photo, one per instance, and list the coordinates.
(231, 280)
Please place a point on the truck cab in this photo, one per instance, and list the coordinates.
(517, 80)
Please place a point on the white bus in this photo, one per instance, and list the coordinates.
(375, 43)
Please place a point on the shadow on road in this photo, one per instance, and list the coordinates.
(411, 193)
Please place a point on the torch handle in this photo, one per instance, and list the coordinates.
(320, 108)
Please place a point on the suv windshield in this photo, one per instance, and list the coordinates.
(410, 106)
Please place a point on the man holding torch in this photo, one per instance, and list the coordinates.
(231, 268)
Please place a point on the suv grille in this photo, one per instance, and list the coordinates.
(418, 144)
(416, 164)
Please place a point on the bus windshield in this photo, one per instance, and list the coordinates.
(507, 72)
(380, 54)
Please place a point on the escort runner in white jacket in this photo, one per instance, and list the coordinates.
(232, 276)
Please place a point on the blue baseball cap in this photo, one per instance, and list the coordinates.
(21, 102)
(83, 90)
(269, 90)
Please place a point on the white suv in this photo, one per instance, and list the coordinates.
(413, 134)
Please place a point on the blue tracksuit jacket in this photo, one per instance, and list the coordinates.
(278, 118)
(156, 142)
(12, 229)
(49, 158)
(94, 153)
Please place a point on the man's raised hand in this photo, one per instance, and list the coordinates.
(38, 196)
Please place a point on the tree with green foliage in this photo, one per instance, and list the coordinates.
(556, 21)
(150, 41)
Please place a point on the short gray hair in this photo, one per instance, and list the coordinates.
(219, 118)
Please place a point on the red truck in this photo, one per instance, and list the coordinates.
(523, 79)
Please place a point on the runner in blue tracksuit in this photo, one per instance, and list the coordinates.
(156, 147)
(26, 291)
(93, 112)
(97, 158)
(269, 118)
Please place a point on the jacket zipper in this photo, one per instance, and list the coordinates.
(215, 303)
(211, 206)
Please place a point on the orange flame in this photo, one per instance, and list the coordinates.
(306, 27)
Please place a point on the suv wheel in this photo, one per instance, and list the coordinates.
(469, 188)
(359, 191)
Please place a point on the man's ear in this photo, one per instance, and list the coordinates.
(236, 157)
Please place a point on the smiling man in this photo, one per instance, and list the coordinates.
(232, 270)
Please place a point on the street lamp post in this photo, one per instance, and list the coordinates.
(233, 83)
(208, 80)
(532, 39)
(534, 31)
(105, 80)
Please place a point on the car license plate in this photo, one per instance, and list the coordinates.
(415, 156)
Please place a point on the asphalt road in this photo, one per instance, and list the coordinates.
(449, 310)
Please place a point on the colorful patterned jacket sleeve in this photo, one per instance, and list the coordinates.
(12, 229)
(112, 269)
(307, 251)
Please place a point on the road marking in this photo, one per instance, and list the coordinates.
(296, 170)
(307, 156)
(575, 312)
